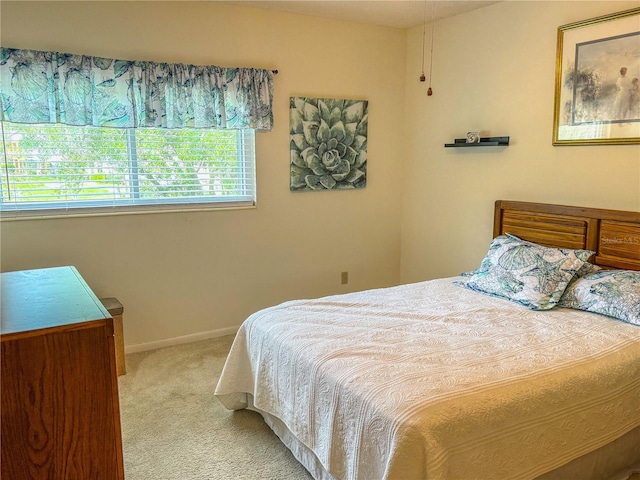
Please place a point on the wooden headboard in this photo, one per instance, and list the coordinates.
(613, 234)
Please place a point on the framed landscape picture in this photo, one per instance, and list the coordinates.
(597, 91)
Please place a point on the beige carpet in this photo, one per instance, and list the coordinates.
(174, 429)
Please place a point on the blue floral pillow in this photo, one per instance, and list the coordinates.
(586, 269)
(525, 272)
(615, 293)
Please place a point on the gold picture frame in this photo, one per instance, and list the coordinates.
(597, 100)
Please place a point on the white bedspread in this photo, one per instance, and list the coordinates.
(430, 380)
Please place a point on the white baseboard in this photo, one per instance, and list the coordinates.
(169, 342)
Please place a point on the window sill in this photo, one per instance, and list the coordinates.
(15, 215)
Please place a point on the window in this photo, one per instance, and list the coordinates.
(60, 169)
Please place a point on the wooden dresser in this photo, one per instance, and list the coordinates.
(59, 386)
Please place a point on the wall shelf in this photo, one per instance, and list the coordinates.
(484, 142)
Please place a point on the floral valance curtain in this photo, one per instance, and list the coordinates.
(53, 87)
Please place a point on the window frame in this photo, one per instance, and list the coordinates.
(245, 139)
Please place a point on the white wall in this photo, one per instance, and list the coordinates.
(494, 71)
(426, 211)
(182, 274)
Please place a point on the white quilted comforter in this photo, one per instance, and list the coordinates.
(430, 380)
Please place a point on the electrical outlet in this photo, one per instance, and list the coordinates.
(344, 278)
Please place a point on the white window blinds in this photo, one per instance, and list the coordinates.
(60, 169)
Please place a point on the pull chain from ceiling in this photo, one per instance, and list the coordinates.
(424, 34)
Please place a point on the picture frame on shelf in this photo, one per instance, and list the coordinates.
(597, 96)
(473, 137)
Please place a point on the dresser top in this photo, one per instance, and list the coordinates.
(49, 298)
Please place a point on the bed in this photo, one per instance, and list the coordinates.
(448, 379)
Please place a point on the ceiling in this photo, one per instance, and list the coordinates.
(390, 13)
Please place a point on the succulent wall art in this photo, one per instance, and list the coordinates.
(328, 143)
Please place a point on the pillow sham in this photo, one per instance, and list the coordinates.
(615, 293)
(527, 273)
(586, 269)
